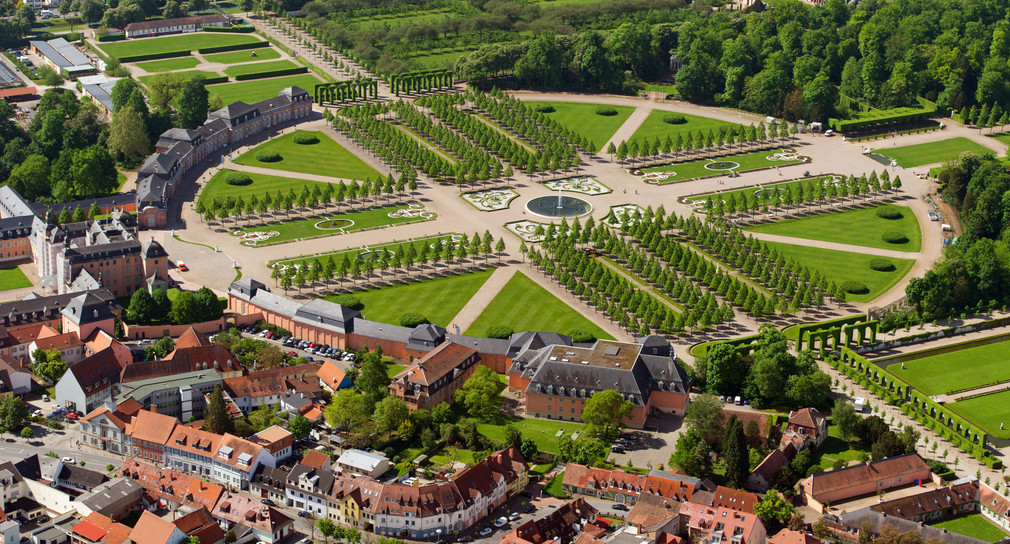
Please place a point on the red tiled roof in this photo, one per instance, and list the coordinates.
(789, 536)
(178, 21)
(735, 499)
(330, 374)
(60, 341)
(885, 469)
(807, 417)
(316, 459)
(90, 531)
(436, 364)
(20, 91)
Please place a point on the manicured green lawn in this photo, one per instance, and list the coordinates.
(720, 166)
(260, 89)
(257, 67)
(438, 299)
(840, 266)
(957, 370)
(13, 278)
(184, 42)
(859, 227)
(933, 152)
(187, 74)
(298, 228)
(235, 57)
(986, 411)
(169, 65)
(542, 431)
(352, 254)
(973, 525)
(582, 118)
(554, 487)
(262, 183)
(1004, 137)
(525, 306)
(836, 449)
(392, 369)
(654, 127)
(326, 158)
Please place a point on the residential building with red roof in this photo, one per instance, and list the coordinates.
(210, 356)
(317, 459)
(149, 432)
(104, 427)
(847, 483)
(201, 524)
(807, 428)
(994, 506)
(735, 499)
(332, 378)
(763, 475)
(623, 487)
(562, 525)
(270, 387)
(243, 514)
(789, 536)
(69, 345)
(23, 336)
(652, 514)
(190, 339)
(223, 458)
(715, 525)
(89, 382)
(96, 528)
(150, 529)
(277, 440)
(434, 378)
(313, 412)
(172, 487)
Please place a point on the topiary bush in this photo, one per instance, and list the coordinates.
(349, 301)
(581, 336)
(544, 108)
(268, 156)
(412, 319)
(238, 178)
(894, 237)
(889, 212)
(499, 331)
(606, 111)
(854, 287)
(881, 265)
(304, 138)
(674, 119)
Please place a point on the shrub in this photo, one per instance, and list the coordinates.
(412, 319)
(674, 119)
(498, 331)
(854, 287)
(268, 156)
(350, 301)
(544, 108)
(606, 111)
(581, 336)
(881, 265)
(889, 212)
(305, 138)
(238, 178)
(894, 237)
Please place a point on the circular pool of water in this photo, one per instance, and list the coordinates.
(548, 206)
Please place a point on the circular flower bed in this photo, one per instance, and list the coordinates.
(238, 178)
(888, 212)
(881, 265)
(894, 237)
(674, 119)
(306, 139)
(606, 111)
(854, 287)
(268, 156)
(544, 108)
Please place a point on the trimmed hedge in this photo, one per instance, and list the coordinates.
(154, 56)
(349, 301)
(881, 265)
(272, 73)
(888, 212)
(544, 108)
(213, 80)
(894, 237)
(305, 138)
(412, 319)
(674, 119)
(111, 37)
(268, 156)
(237, 29)
(236, 47)
(499, 331)
(238, 178)
(606, 111)
(581, 336)
(854, 287)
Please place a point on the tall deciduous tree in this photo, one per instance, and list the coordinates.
(481, 393)
(128, 136)
(193, 103)
(605, 413)
(390, 413)
(704, 414)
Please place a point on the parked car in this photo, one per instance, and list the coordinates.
(182, 266)
(514, 516)
(37, 413)
(267, 502)
(69, 460)
(485, 531)
(620, 507)
(465, 538)
(500, 522)
(303, 514)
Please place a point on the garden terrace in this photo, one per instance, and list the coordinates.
(418, 252)
(960, 370)
(858, 227)
(469, 158)
(325, 158)
(267, 233)
(722, 166)
(390, 143)
(654, 127)
(181, 44)
(933, 152)
(537, 128)
(583, 120)
(259, 89)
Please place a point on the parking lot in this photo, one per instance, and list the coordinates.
(313, 351)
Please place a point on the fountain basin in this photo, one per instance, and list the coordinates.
(549, 206)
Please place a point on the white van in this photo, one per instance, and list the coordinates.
(860, 404)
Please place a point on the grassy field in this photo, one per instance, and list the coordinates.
(260, 89)
(859, 227)
(352, 254)
(1004, 137)
(188, 74)
(391, 22)
(437, 60)
(326, 158)
(218, 188)
(169, 65)
(973, 525)
(235, 57)
(933, 152)
(654, 127)
(839, 266)
(392, 369)
(185, 42)
(836, 449)
(525, 306)
(958, 370)
(438, 299)
(721, 166)
(306, 228)
(582, 118)
(257, 67)
(13, 278)
(986, 411)
(542, 431)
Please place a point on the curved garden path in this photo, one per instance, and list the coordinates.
(890, 253)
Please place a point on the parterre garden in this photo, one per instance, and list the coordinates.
(957, 371)
(596, 122)
(859, 227)
(721, 166)
(296, 152)
(933, 152)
